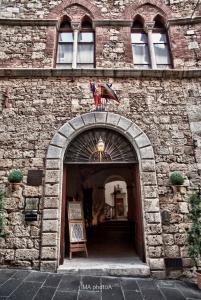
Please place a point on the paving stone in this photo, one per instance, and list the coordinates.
(45, 293)
(27, 290)
(86, 295)
(172, 294)
(110, 282)
(69, 283)
(21, 274)
(153, 294)
(129, 284)
(133, 295)
(53, 280)
(146, 284)
(9, 286)
(65, 296)
(90, 283)
(189, 290)
(37, 277)
(114, 293)
(5, 275)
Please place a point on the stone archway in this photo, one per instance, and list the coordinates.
(53, 186)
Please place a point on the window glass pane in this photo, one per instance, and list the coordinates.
(65, 53)
(162, 54)
(86, 37)
(85, 53)
(158, 37)
(66, 37)
(139, 37)
(140, 54)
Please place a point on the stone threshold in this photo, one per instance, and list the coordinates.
(105, 267)
(114, 73)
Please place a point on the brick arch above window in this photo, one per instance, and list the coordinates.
(137, 8)
(93, 10)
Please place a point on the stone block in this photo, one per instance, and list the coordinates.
(195, 127)
(172, 251)
(142, 141)
(100, 117)
(88, 118)
(150, 191)
(158, 274)
(50, 214)
(157, 264)
(149, 178)
(148, 165)
(154, 240)
(133, 131)
(59, 140)
(151, 205)
(66, 130)
(54, 152)
(49, 239)
(49, 253)
(50, 226)
(124, 123)
(153, 228)
(168, 239)
(53, 163)
(48, 266)
(32, 191)
(180, 239)
(52, 176)
(51, 202)
(147, 153)
(183, 207)
(77, 122)
(26, 254)
(153, 217)
(113, 119)
(155, 251)
(52, 189)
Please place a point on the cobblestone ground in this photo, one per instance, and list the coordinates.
(28, 285)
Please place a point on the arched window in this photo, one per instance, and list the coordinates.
(140, 47)
(85, 57)
(161, 45)
(150, 44)
(65, 45)
(75, 45)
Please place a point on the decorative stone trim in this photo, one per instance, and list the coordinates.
(114, 73)
(53, 184)
(96, 22)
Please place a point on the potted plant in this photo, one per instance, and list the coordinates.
(2, 217)
(194, 234)
(176, 179)
(15, 178)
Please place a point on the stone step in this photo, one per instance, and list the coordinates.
(98, 267)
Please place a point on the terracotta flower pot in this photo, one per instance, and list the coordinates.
(198, 273)
(176, 188)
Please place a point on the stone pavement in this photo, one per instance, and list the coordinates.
(28, 285)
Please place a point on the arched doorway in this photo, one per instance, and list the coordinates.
(144, 182)
(87, 169)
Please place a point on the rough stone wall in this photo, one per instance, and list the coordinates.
(114, 9)
(34, 46)
(24, 46)
(39, 107)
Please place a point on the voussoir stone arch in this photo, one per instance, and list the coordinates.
(51, 224)
(58, 9)
(130, 10)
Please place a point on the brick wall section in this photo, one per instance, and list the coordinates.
(39, 107)
(101, 8)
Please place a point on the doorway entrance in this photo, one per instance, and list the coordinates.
(107, 184)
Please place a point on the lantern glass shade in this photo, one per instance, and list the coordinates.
(100, 145)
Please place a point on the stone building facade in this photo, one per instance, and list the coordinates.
(44, 108)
